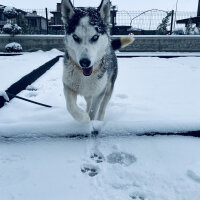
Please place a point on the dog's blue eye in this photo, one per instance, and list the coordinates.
(94, 38)
(76, 38)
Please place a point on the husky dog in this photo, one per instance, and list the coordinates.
(90, 63)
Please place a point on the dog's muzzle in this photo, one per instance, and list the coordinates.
(87, 71)
(85, 65)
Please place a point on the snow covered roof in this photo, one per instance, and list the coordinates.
(2, 7)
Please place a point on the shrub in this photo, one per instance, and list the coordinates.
(13, 47)
(12, 29)
(188, 30)
(162, 28)
(10, 12)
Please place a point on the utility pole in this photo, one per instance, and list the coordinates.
(175, 14)
(198, 11)
(172, 22)
(198, 14)
(47, 20)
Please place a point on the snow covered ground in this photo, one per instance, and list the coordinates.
(151, 94)
(14, 68)
(140, 168)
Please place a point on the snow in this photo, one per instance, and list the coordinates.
(9, 9)
(7, 26)
(14, 46)
(165, 168)
(4, 95)
(151, 94)
(14, 68)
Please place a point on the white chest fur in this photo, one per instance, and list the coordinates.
(83, 85)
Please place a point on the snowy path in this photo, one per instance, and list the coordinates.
(166, 168)
(151, 95)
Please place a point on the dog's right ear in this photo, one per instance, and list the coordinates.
(67, 10)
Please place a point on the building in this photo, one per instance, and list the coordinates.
(30, 22)
(3, 20)
(37, 23)
(56, 24)
(57, 15)
(193, 20)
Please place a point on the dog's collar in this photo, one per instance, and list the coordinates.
(80, 69)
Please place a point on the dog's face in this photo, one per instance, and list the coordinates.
(86, 33)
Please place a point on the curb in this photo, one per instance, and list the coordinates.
(11, 54)
(28, 79)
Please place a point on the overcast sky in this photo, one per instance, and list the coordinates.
(188, 5)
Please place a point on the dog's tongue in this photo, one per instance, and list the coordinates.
(87, 71)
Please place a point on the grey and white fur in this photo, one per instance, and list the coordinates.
(88, 47)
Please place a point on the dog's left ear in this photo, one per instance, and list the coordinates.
(104, 10)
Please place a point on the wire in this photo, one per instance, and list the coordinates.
(24, 99)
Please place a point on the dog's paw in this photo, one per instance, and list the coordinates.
(98, 157)
(83, 118)
(91, 170)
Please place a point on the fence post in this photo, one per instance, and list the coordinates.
(47, 21)
(172, 22)
(113, 15)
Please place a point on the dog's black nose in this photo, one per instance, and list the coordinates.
(85, 62)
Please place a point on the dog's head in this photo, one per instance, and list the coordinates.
(86, 33)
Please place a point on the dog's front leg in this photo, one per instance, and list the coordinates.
(74, 110)
(95, 105)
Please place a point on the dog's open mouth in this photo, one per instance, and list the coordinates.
(87, 71)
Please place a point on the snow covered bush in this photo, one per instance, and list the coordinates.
(7, 28)
(188, 28)
(13, 47)
(162, 28)
(196, 31)
(10, 12)
(191, 29)
(12, 29)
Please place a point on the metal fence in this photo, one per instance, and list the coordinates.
(149, 20)
(146, 21)
(41, 12)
